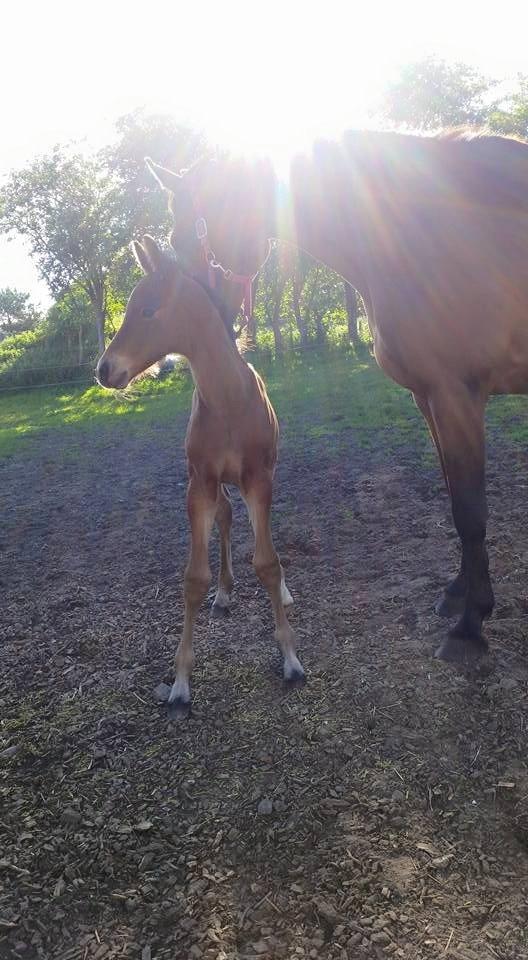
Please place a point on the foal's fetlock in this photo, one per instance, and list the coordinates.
(221, 604)
(286, 597)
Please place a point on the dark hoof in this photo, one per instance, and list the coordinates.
(218, 612)
(296, 679)
(179, 709)
(450, 606)
(460, 649)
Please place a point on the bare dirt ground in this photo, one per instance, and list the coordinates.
(397, 786)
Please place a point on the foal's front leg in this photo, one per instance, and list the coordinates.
(201, 507)
(224, 520)
(269, 571)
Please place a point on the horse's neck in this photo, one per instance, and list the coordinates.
(321, 222)
(219, 372)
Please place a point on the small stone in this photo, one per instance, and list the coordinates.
(380, 937)
(71, 816)
(354, 940)
(260, 946)
(265, 807)
(8, 752)
(325, 910)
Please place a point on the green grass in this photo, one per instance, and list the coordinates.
(326, 393)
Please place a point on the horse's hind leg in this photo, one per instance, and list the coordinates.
(224, 520)
(201, 507)
(452, 601)
(458, 415)
(269, 571)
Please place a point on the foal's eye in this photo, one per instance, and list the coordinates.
(148, 312)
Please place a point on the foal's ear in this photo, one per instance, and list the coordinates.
(141, 257)
(155, 254)
(166, 178)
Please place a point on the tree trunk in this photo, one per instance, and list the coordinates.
(251, 332)
(274, 318)
(352, 314)
(320, 332)
(97, 295)
(277, 332)
(299, 319)
(100, 327)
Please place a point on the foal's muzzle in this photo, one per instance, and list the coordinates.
(107, 376)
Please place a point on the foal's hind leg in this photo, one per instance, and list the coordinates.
(201, 506)
(224, 519)
(458, 415)
(269, 571)
(452, 601)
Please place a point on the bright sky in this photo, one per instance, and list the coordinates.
(263, 76)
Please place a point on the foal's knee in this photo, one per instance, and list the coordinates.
(195, 586)
(268, 571)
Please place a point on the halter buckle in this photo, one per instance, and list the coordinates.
(201, 228)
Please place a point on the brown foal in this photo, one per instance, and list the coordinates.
(231, 439)
(433, 233)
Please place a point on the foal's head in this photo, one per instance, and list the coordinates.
(159, 317)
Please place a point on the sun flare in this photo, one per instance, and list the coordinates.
(256, 78)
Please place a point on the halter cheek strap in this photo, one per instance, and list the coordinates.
(212, 266)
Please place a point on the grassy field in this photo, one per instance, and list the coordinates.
(335, 391)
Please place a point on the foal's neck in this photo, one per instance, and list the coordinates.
(219, 372)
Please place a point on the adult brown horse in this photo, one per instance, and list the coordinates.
(433, 233)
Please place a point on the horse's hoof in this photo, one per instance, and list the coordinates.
(450, 606)
(218, 612)
(179, 709)
(461, 649)
(297, 678)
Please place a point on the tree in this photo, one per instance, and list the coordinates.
(511, 117)
(17, 313)
(171, 144)
(432, 93)
(71, 211)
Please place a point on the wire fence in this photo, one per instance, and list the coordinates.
(265, 353)
(65, 373)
